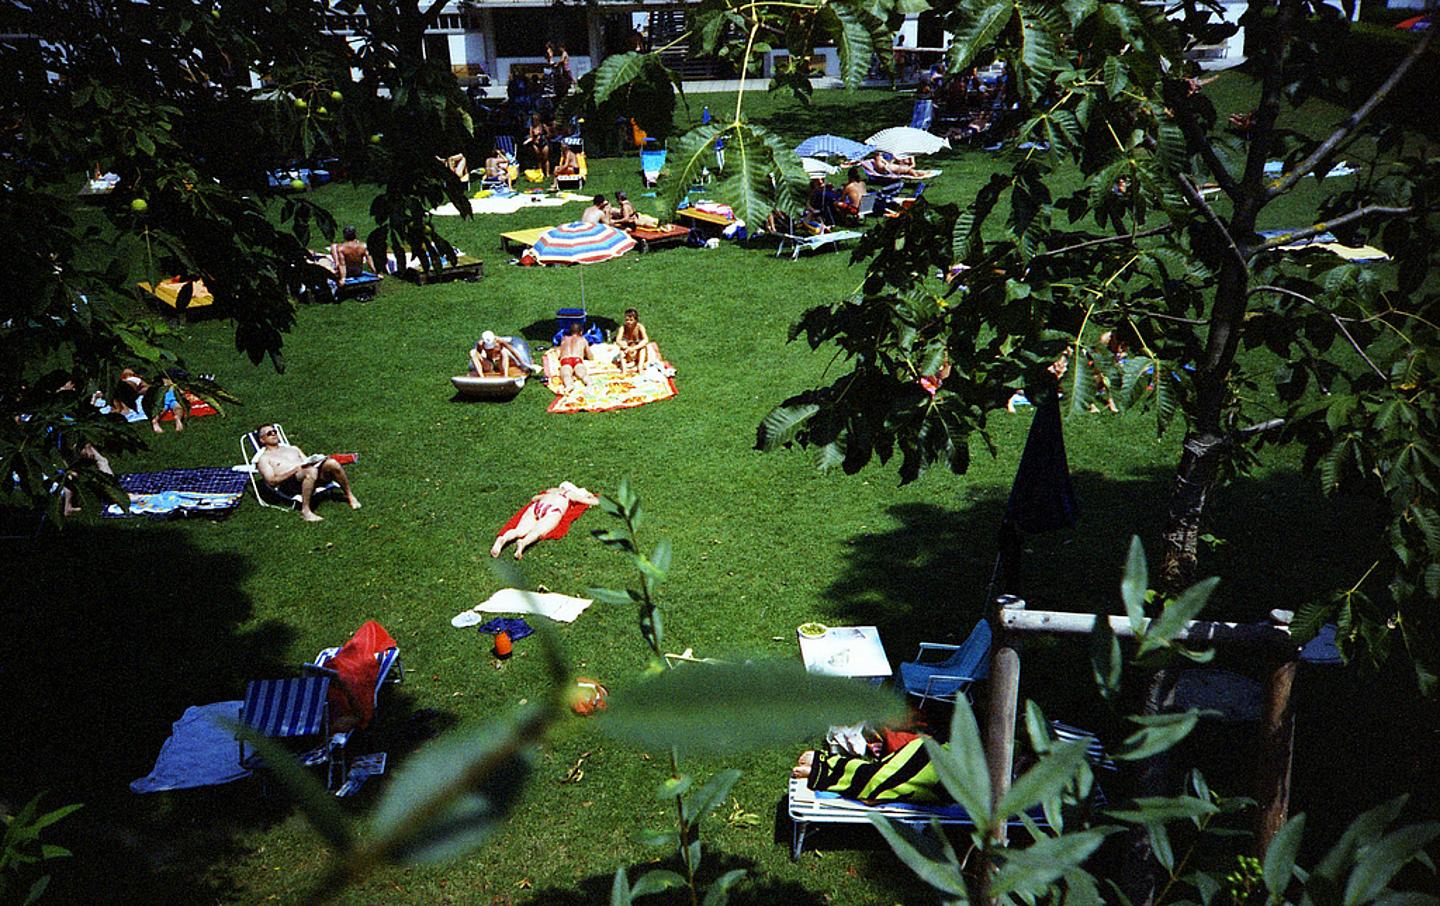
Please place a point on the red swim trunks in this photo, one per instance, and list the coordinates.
(571, 360)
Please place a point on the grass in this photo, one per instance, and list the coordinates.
(117, 627)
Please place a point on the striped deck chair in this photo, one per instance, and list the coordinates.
(290, 709)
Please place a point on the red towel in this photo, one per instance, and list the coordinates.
(572, 512)
(352, 693)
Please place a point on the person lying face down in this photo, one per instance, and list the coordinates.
(540, 518)
(287, 469)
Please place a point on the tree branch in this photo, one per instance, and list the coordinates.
(1268, 110)
(1189, 125)
(1280, 290)
(1327, 225)
(1198, 202)
(1328, 146)
(1105, 240)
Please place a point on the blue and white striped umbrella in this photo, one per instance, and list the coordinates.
(581, 243)
(828, 145)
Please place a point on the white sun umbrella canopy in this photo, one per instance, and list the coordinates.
(817, 168)
(903, 141)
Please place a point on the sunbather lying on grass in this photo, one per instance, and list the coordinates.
(542, 516)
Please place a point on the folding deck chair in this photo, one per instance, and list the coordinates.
(290, 709)
(267, 496)
(943, 680)
(392, 672)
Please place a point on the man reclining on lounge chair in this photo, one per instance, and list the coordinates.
(289, 470)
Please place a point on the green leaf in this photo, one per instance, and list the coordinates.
(853, 42)
(320, 808)
(1055, 770)
(671, 787)
(942, 876)
(442, 767)
(1162, 809)
(1363, 831)
(1082, 384)
(709, 797)
(1157, 733)
(1178, 613)
(1134, 585)
(621, 69)
(978, 33)
(1377, 863)
(1280, 856)
(719, 891)
(37, 890)
(1106, 663)
(661, 557)
(650, 836)
(1029, 871)
(731, 707)
(961, 766)
(1160, 845)
(689, 155)
(657, 880)
(780, 426)
(620, 893)
(1117, 78)
(609, 595)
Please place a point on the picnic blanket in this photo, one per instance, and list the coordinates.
(572, 512)
(201, 751)
(609, 389)
(562, 608)
(211, 490)
(509, 204)
(195, 406)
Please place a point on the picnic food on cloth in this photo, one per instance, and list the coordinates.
(609, 389)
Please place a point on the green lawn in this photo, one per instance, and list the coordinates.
(116, 627)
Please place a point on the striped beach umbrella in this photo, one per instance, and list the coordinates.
(581, 243)
(902, 141)
(832, 145)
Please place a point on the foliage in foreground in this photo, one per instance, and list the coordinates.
(1159, 246)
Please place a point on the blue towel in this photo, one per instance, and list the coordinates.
(201, 751)
(516, 626)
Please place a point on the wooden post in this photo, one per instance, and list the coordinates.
(1003, 705)
(1277, 742)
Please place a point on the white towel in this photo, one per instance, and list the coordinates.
(562, 608)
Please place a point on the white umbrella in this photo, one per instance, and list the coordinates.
(814, 168)
(903, 141)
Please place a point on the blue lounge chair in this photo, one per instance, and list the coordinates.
(337, 744)
(924, 114)
(943, 680)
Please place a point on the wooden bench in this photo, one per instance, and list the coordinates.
(706, 223)
(658, 237)
(814, 243)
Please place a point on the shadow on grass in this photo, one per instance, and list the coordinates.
(1278, 544)
(543, 331)
(111, 639)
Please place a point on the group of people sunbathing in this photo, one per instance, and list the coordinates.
(495, 356)
(621, 215)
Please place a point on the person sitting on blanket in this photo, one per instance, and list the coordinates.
(636, 348)
(493, 355)
(598, 212)
(287, 469)
(541, 517)
(352, 258)
(623, 215)
(574, 349)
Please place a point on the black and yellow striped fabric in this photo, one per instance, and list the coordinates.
(905, 775)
